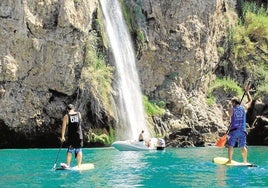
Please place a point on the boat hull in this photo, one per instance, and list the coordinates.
(133, 145)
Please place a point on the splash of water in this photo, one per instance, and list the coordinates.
(131, 110)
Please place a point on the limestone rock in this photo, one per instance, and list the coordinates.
(41, 56)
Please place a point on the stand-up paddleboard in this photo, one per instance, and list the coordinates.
(85, 166)
(223, 161)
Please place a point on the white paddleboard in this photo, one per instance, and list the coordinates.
(223, 161)
(85, 166)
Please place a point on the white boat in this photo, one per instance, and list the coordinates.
(134, 145)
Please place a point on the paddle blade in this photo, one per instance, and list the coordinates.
(221, 141)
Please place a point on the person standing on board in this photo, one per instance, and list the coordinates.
(72, 120)
(238, 126)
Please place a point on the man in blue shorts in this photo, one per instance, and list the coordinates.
(72, 120)
(237, 128)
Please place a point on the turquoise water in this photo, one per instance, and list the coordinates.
(191, 167)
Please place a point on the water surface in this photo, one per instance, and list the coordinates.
(191, 167)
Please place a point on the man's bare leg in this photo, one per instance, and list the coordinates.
(244, 154)
(230, 154)
(79, 159)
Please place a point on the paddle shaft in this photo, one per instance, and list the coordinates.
(55, 163)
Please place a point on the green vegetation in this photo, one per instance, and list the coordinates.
(250, 37)
(220, 51)
(100, 26)
(111, 134)
(227, 86)
(101, 136)
(250, 43)
(127, 15)
(153, 107)
(96, 78)
(133, 15)
(135, 20)
(261, 77)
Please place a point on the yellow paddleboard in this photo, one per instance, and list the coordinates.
(223, 161)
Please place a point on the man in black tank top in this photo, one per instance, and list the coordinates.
(72, 121)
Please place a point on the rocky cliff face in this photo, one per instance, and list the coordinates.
(178, 59)
(43, 54)
(42, 51)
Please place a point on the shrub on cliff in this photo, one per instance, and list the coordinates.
(222, 89)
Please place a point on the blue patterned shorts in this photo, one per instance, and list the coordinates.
(237, 136)
(74, 150)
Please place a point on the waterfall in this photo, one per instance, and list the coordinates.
(131, 115)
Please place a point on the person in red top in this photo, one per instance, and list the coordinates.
(72, 121)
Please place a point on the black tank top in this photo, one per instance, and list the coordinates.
(74, 130)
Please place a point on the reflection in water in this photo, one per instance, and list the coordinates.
(221, 175)
(117, 169)
(127, 169)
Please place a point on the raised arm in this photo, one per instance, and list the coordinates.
(248, 103)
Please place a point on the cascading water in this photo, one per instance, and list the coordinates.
(131, 113)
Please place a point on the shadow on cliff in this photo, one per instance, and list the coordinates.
(16, 139)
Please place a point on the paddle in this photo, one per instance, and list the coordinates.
(222, 140)
(55, 163)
